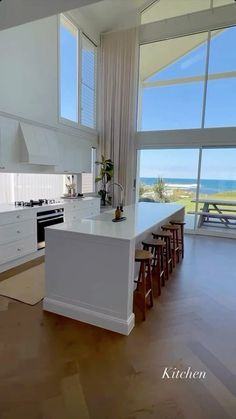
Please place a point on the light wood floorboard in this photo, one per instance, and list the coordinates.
(56, 368)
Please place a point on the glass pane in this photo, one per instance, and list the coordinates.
(172, 83)
(88, 62)
(87, 109)
(221, 105)
(88, 96)
(68, 71)
(164, 9)
(174, 58)
(172, 107)
(170, 176)
(218, 189)
(221, 89)
(222, 51)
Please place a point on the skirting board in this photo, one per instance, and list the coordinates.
(87, 316)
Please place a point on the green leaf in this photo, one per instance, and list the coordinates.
(98, 178)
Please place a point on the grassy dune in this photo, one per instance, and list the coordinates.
(184, 198)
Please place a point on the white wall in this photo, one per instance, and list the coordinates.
(29, 88)
(28, 71)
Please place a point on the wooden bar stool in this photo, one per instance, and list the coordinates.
(181, 225)
(174, 230)
(166, 236)
(144, 283)
(156, 247)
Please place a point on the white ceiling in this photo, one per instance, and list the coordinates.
(110, 15)
(17, 12)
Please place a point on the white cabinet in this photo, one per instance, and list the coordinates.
(18, 234)
(16, 231)
(17, 249)
(16, 216)
(74, 155)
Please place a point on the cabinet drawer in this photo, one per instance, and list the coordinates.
(16, 231)
(17, 249)
(16, 216)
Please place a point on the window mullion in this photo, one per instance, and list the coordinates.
(206, 80)
(79, 74)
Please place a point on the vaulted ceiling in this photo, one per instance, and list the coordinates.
(110, 15)
(17, 12)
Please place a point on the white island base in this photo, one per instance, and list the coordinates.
(90, 267)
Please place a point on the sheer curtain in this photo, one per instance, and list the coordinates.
(118, 104)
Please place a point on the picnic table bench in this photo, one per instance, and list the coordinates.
(216, 211)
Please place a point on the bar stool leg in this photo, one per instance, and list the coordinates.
(182, 239)
(144, 287)
(177, 245)
(173, 252)
(149, 283)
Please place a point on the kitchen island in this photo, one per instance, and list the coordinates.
(90, 265)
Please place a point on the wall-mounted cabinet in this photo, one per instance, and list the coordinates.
(74, 155)
(42, 150)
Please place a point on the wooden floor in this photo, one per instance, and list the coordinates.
(56, 368)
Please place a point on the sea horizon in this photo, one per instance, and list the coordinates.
(207, 186)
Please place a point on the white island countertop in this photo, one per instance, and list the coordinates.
(140, 218)
(90, 264)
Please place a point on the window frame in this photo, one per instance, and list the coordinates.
(62, 120)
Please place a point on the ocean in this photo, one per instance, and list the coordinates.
(207, 186)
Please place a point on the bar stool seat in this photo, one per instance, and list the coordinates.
(141, 255)
(174, 241)
(181, 225)
(157, 249)
(166, 236)
(144, 291)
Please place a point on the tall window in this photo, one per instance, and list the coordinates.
(68, 70)
(184, 87)
(88, 83)
(78, 67)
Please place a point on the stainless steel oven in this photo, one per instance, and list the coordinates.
(46, 219)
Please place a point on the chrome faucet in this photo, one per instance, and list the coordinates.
(121, 189)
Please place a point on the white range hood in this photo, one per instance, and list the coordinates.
(38, 145)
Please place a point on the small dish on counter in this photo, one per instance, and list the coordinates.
(117, 220)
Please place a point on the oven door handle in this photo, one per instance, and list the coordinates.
(50, 219)
(55, 214)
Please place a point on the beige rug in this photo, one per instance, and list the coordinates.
(27, 287)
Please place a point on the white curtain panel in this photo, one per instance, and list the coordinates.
(118, 105)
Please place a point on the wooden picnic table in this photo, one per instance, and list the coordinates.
(217, 211)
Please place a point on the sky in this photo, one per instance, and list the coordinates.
(183, 163)
(180, 106)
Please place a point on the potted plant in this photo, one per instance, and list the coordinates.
(105, 176)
